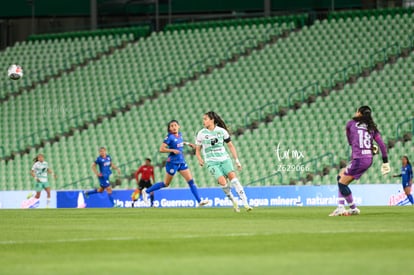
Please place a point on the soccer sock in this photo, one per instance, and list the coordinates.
(194, 189)
(341, 199)
(240, 191)
(350, 200)
(111, 199)
(410, 198)
(227, 191)
(152, 199)
(155, 187)
(48, 202)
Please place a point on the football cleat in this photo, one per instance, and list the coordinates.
(340, 211)
(354, 211)
(202, 203)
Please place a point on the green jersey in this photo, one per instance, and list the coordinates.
(212, 144)
(40, 170)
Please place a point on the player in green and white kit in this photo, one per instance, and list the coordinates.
(40, 171)
(211, 141)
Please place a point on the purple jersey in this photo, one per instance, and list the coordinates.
(361, 140)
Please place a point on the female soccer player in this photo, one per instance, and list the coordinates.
(105, 164)
(211, 139)
(407, 180)
(173, 145)
(360, 131)
(39, 172)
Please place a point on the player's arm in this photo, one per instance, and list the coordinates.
(397, 176)
(198, 144)
(113, 166)
(164, 149)
(152, 176)
(50, 171)
(348, 132)
(385, 169)
(233, 152)
(33, 173)
(95, 171)
(137, 174)
(190, 144)
(198, 155)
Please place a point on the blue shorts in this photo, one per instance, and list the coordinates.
(104, 181)
(172, 168)
(357, 167)
(406, 184)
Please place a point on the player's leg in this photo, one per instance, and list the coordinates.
(102, 182)
(137, 193)
(186, 173)
(407, 191)
(110, 197)
(170, 169)
(343, 190)
(147, 184)
(228, 169)
(47, 189)
(216, 171)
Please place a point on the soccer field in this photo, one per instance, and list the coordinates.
(206, 241)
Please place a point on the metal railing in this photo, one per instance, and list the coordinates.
(33, 137)
(314, 163)
(263, 180)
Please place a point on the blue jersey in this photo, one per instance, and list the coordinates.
(175, 142)
(406, 174)
(104, 165)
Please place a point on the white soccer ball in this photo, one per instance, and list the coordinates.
(15, 72)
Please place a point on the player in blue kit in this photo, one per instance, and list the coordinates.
(407, 180)
(361, 131)
(173, 144)
(105, 164)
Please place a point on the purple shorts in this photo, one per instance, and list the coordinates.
(357, 167)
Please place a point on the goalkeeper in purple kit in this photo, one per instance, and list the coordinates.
(360, 131)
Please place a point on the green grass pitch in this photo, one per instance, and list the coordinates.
(206, 241)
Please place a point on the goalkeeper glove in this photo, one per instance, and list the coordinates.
(385, 168)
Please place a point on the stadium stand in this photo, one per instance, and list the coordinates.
(138, 71)
(265, 77)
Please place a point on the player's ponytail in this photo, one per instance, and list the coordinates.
(217, 120)
(366, 119)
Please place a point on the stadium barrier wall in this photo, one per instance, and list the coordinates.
(276, 196)
(18, 199)
(286, 196)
